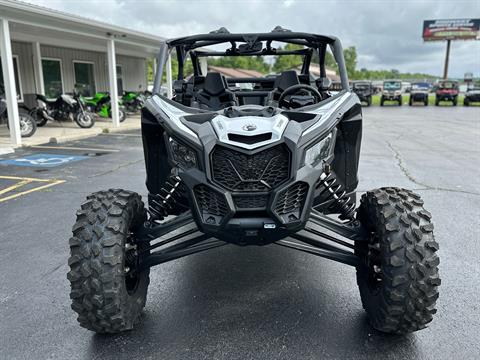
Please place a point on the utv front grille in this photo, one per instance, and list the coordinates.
(262, 171)
(290, 202)
(250, 201)
(211, 203)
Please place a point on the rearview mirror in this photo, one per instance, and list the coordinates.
(250, 48)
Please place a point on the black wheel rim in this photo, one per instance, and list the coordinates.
(374, 265)
(132, 277)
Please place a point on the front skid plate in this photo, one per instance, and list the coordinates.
(180, 237)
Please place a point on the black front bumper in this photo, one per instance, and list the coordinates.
(446, 97)
(419, 96)
(246, 217)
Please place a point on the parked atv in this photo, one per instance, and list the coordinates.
(447, 90)
(101, 105)
(364, 91)
(392, 91)
(472, 96)
(28, 126)
(419, 93)
(220, 173)
(64, 108)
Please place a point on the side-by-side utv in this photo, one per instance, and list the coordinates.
(272, 164)
(364, 90)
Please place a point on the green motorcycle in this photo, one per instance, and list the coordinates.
(101, 105)
(132, 101)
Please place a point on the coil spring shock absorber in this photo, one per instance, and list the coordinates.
(341, 201)
(161, 203)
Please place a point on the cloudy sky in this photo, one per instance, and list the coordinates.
(387, 34)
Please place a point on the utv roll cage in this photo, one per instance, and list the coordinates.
(250, 44)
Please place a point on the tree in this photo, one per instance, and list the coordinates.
(288, 62)
(240, 62)
(350, 55)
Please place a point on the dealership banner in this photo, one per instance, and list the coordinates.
(451, 29)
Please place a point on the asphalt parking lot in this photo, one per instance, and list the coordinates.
(242, 303)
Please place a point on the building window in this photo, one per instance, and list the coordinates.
(84, 78)
(18, 83)
(119, 80)
(52, 78)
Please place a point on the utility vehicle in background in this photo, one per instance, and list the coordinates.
(447, 90)
(392, 91)
(472, 95)
(419, 93)
(274, 165)
(364, 91)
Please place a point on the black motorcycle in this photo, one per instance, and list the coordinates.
(28, 126)
(65, 107)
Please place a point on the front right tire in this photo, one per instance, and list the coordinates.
(399, 280)
(107, 293)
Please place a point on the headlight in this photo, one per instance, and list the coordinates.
(182, 154)
(316, 153)
(397, 92)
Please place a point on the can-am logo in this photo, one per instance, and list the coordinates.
(249, 127)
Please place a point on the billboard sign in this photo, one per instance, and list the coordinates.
(451, 29)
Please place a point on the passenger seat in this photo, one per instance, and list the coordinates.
(214, 95)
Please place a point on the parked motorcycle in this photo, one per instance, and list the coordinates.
(133, 101)
(65, 107)
(28, 125)
(101, 105)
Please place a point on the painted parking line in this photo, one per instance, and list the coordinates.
(40, 184)
(120, 134)
(73, 148)
(43, 160)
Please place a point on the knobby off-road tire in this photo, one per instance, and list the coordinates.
(399, 286)
(106, 299)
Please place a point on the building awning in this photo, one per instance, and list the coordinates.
(20, 21)
(32, 23)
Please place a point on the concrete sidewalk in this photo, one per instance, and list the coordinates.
(60, 132)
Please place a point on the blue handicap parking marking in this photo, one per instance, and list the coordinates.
(43, 160)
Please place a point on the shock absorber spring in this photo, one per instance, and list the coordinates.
(341, 202)
(161, 203)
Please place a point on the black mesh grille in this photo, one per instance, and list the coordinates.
(262, 171)
(291, 200)
(250, 201)
(210, 202)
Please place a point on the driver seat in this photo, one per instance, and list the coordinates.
(214, 95)
(282, 82)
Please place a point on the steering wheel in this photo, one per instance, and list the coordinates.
(294, 89)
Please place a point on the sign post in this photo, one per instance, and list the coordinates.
(448, 30)
(447, 57)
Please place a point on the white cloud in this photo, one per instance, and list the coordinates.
(387, 34)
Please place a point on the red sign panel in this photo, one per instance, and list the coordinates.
(451, 29)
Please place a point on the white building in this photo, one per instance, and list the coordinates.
(47, 52)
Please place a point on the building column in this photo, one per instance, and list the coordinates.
(112, 77)
(38, 69)
(169, 77)
(9, 80)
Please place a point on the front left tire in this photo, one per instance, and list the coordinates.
(399, 279)
(107, 292)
